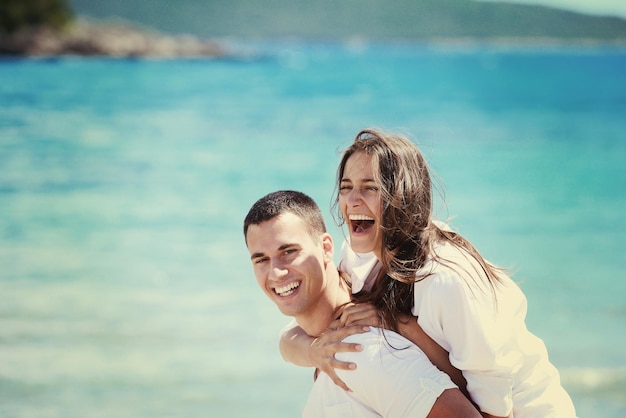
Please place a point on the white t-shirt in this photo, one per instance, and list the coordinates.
(393, 378)
(504, 364)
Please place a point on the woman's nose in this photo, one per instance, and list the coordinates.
(354, 197)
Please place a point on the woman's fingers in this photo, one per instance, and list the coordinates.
(360, 314)
(333, 376)
(330, 343)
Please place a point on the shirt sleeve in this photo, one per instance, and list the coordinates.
(478, 334)
(393, 377)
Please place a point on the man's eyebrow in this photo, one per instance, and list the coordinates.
(285, 246)
(281, 248)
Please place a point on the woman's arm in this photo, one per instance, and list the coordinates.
(478, 334)
(299, 348)
(411, 330)
(366, 314)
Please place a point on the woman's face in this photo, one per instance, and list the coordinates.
(360, 203)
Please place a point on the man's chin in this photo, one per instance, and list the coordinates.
(288, 311)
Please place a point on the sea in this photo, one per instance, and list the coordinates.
(126, 288)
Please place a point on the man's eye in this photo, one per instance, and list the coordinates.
(260, 260)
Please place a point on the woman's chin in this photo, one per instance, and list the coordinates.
(359, 246)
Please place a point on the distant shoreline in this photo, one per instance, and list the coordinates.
(105, 38)
(510, 42)
(118, 38)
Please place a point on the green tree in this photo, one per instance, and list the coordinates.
(18, 14)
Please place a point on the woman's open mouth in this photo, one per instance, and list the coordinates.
(361, 223)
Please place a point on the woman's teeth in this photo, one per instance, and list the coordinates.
(360, 218)
(361, 223)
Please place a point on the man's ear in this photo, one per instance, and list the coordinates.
(329, 247)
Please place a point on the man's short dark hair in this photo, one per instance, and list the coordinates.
(276, 203)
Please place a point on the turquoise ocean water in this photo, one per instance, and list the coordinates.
(125, 285)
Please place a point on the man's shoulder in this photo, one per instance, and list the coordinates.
(375, 335)
(380, 343)
(392, 373)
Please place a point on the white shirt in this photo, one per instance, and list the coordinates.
(361, 267)
(506, 366)
(388, 382)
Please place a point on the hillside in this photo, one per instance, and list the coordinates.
(49, 28)
(376, 19)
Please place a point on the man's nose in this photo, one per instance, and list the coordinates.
(277, 272)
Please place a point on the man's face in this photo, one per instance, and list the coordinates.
(289, 264)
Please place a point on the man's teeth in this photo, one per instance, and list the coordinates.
(361, 218)
(287, 290)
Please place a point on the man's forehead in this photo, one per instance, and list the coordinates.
(284, 229)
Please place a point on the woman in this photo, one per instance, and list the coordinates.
(421, 268)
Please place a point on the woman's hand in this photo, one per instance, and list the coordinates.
(323, 349)
(354, 319)
(360, 314)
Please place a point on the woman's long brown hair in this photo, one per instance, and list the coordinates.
(408, 233)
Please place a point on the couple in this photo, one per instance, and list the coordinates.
(403, 265)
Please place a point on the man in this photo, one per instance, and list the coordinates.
(292, 258)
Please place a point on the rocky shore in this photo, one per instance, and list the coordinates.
(84, 37)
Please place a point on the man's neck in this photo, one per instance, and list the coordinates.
(336, 295)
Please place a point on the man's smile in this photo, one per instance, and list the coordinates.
(287, 290)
